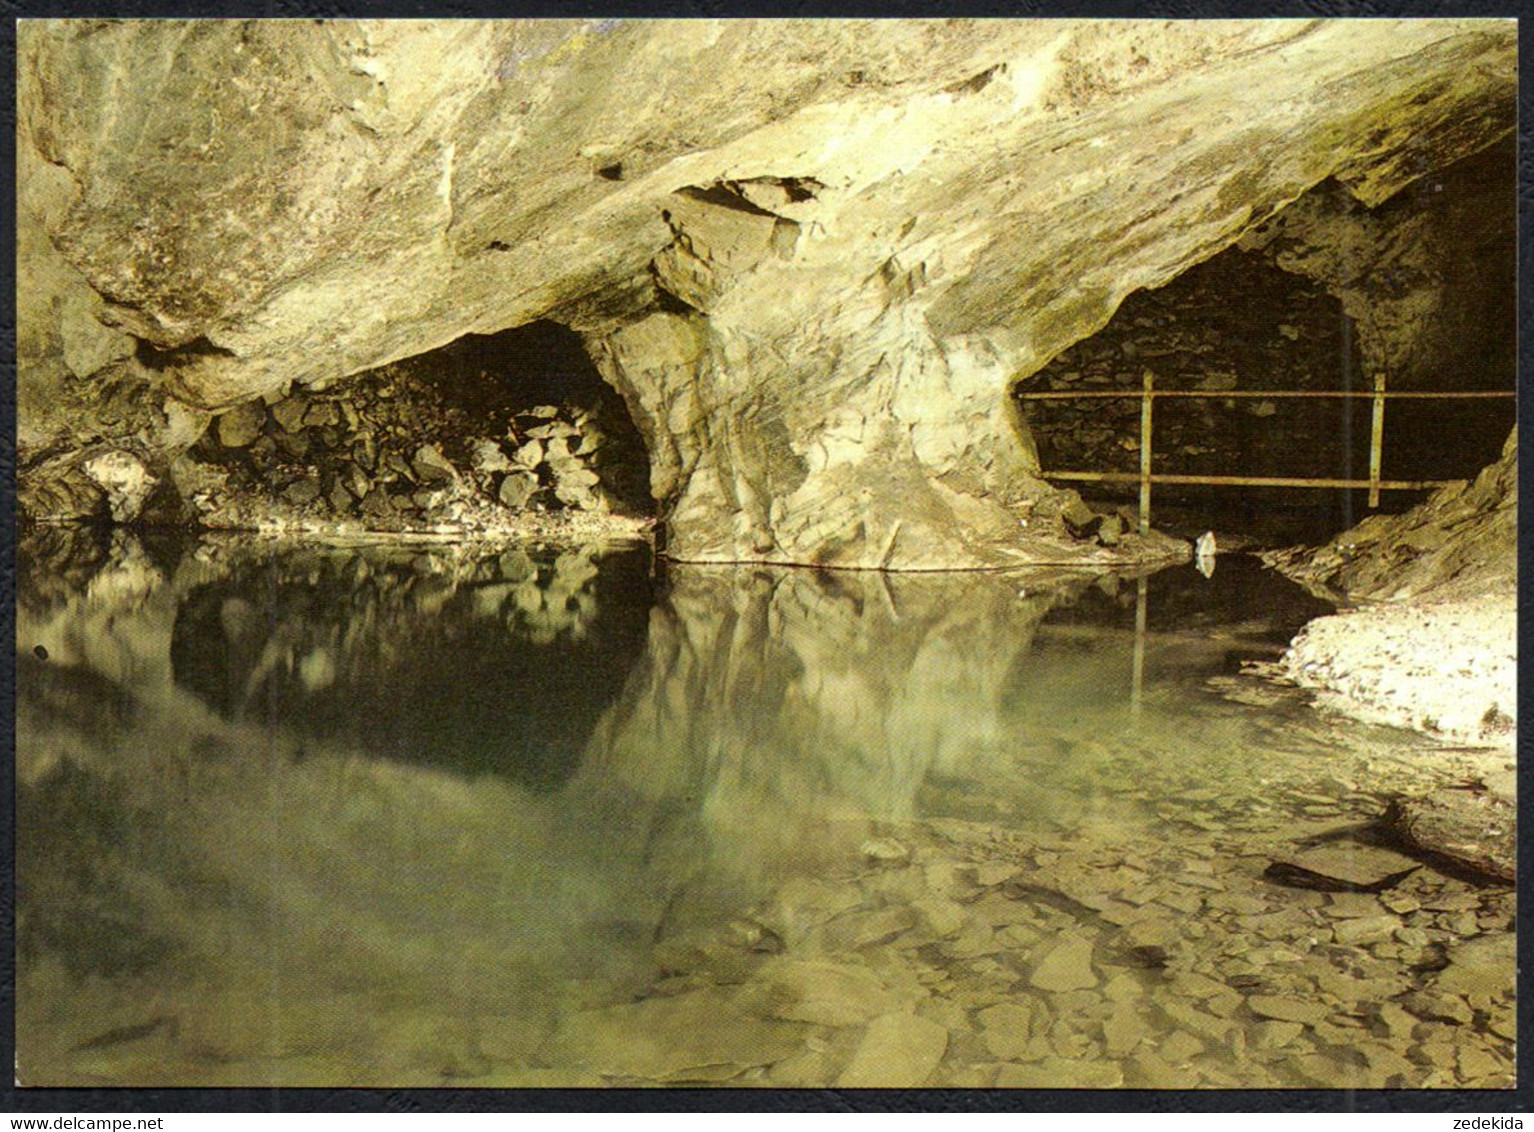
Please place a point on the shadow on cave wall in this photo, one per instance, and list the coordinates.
(1231, 323)
(1434, 269)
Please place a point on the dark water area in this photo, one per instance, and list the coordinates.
(538, 815)
(1242, 596)
(415, 667)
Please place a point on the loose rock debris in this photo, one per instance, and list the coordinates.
(1080, 963)
(394, 453)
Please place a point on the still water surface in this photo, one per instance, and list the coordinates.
(551, 816)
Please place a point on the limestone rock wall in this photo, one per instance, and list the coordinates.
(811, 254)
(1427, 277)
(880, 449)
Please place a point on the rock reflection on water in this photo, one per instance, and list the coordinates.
(411, 815)
(406, 655)
(781, 703)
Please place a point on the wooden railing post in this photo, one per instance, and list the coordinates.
(1376, 439)
(1146, 397)
(1137, 672)
(1375, 483)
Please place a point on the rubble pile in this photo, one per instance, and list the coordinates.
(396, 453)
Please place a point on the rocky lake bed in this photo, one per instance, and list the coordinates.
(796, 867)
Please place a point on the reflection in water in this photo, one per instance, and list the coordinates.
(79, 908)
(778, 702)
(406, 815)
(416, 660)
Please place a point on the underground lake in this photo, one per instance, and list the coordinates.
(417, 816)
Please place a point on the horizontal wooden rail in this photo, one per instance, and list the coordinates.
(1245, 481)
(1220, 395)
(1148, 393)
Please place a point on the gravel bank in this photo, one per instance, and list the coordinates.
(1436, 648)
(1448, 668)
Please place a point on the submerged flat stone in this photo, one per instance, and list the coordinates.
(854, 930)
(1349, 905)
(1274, 1034)
(1060, 1073)
(1180, 1048)
(1197, 1021)
(1065, 966)
(663, 1038)
(1009, 1028)
(1486, 965)
(1287, 1009)
(939, 915)
(1351, 862)
(885, 851)
(991, 873)
(825, 993)
(1125, 1028)
(1154, 1071)
(899, 1051)
(1365, 929)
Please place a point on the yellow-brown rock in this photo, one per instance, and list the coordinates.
(812, 255)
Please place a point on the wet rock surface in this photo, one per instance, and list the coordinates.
(1472, 828)
(1456, 544)
(1264, 988)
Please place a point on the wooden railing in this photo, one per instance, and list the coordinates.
(1148, 395)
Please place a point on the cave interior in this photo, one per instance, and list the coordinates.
(512, 421)
(521, 420)
(477, 737)
(1261, 317)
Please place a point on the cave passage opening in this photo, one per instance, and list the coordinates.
(470, 434)
(1232, 324)
(1240, 325)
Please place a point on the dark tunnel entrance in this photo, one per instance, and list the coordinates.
(467, 436)
(1327, 297)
